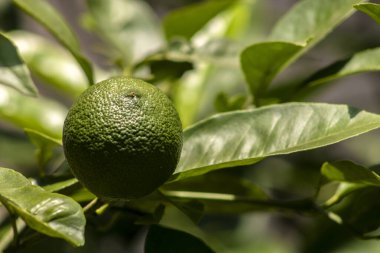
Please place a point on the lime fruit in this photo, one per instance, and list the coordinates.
(122, 138)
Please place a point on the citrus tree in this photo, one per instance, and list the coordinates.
(211, 165)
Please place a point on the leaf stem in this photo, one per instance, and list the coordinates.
(90, 205)
(305, 205)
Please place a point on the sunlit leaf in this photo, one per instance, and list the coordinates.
(311, 20)
(13, 71)
(185, 22)
(131, 28)
(161, 239)
(45, 14)
(371, 9)
(40, 114)
(50, 63)
(263, 61)
(246, 137)
(52, 214)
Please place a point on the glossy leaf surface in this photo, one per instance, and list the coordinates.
(245, 137)
(52, 214)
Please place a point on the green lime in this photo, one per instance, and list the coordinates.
(122, 138)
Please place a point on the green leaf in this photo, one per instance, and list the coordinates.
(360, 211)
(246, 137)
(44, 147)
(303, 26)
(365, 61)
(223, 103)
(40, 114)
(47, 16)
(59, 186)
(263, 61)
(130, 28)
(213, 191)
(13, 71)
(185, 22)
(371, 9)
(343, 178)
(50, 63)
(346, 171)
(52, 214)
(311, 20)
(166, 240)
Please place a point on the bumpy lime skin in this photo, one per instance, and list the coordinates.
(122, 138)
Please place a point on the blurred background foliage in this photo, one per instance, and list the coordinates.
(214, 85)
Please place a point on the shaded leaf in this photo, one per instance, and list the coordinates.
(365, 61)
(52, 214)
(131, 28)
(263, 61)
(215, 193)
(44, 146)
(223, 103)
(185, 22)
(166, 240)
(50, 63)
(13, 71)
(360, 211)
(371, 9)
(193, 209)
(45, 14)
(343, 178)
(305, 24)
(246, 137)
(40, 114)
(346, 171)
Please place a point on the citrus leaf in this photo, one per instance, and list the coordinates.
(45, 146)
(261, 62)
(346, 177)
(130, 28)
(371, 9)
(360, 211)
(213, 191)
(52, 214)
(185, 22)
(246, 137)
(13, 71)
(305, 24)
(166, 240)
(59, 186)
(50, 63)
(346, 171)
(364, 61)
(47, 16)
(311, 20)
(40, 114)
